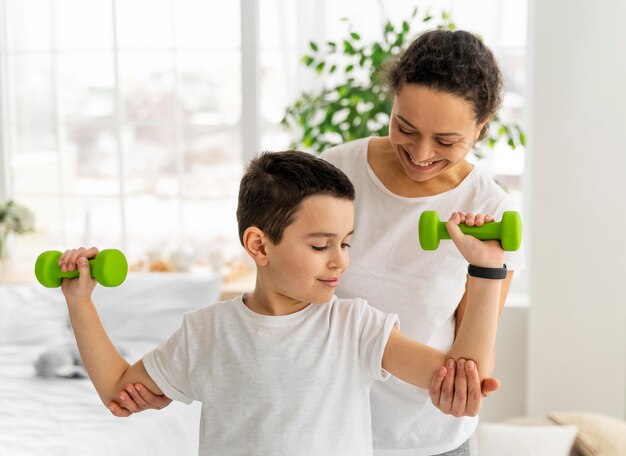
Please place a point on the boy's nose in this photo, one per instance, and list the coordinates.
(339, 261)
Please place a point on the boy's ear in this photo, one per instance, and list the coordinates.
(254, 241)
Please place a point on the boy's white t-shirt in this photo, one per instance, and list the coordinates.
(390, 270)
(277, 385)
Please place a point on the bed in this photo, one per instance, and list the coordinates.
(64, 416)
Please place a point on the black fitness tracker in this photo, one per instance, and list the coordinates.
(487, 273)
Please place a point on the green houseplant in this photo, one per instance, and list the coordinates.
(14, 218)
(358, 106)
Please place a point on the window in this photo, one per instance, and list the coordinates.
(119, 130)
(123, 131)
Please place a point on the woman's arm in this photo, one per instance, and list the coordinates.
(416, 363)
(457, 391)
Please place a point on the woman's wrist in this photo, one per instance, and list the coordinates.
(482, 272)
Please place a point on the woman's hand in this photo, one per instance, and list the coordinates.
(136, 398)
(456, 389)
(488, 254)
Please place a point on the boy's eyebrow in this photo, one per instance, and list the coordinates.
(323, 234)
(414, 127)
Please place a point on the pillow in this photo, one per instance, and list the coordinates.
(495, 439)
(150, 306)
(599, 435)
(32, 314)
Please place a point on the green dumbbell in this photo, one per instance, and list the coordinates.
(508, 231)
(109, 268)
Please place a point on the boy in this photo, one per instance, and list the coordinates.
(287, 369)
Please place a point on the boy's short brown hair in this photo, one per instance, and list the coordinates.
(275, 184)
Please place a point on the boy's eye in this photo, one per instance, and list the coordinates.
(319, 249)
(345, 245)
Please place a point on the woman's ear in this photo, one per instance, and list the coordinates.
(481, 126)
(254, 241)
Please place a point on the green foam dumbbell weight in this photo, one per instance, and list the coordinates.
(109, 268)
(508, 231)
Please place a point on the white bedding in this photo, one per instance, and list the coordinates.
(54, 416)
(58, 416)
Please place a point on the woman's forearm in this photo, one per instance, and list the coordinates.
(476, 336)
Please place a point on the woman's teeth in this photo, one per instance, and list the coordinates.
(422, 164)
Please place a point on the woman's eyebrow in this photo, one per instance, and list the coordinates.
(450, 133)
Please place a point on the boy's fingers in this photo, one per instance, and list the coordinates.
(83, 268)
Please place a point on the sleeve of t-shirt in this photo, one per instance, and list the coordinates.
(374, 329)
(168, 365)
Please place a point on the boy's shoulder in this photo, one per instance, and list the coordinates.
(354, 308)
(218, 309)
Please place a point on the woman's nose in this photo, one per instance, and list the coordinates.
(419, 150)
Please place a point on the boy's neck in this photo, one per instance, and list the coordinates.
(265, 301)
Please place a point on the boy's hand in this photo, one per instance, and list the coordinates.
(80, 289)
(456, 389)
(486, 254)
(136, 398)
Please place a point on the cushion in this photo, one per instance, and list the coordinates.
(32, 314)
(599, 435)
(150, 306)
(498, 439)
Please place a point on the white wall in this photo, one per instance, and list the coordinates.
(511, 365)
(577, 210)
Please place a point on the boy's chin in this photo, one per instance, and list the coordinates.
(321, 298)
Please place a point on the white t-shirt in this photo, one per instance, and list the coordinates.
(390, 270)
(277, 385)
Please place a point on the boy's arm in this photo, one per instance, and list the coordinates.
(107, 369)
(417, 363)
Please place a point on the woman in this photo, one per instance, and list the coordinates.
(445, 87)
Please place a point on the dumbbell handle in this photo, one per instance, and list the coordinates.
(489, 230)
(75, 273)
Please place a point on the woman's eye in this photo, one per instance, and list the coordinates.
(404, 132)
(345, 245)
(319, 249)
(445, 144)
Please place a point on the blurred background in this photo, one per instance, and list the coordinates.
(128, 123)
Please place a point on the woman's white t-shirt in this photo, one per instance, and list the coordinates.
(292, 385)
(390, 270)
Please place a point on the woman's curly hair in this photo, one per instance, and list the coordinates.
(454, 62)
